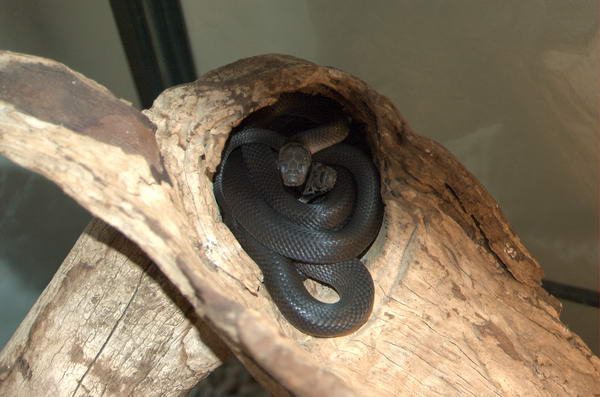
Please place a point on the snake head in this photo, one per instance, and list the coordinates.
(321, 179)
(294, 163)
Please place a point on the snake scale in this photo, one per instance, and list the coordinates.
(291, 238)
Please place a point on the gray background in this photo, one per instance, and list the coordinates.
(509, 86)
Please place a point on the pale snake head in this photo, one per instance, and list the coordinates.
(294, 164)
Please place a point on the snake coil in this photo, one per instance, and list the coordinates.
(290, 239)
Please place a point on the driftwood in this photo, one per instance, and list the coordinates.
(109, 322)
(458, 308)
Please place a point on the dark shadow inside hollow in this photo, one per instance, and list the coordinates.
(289, 124)
(357, 136)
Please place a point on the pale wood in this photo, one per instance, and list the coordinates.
(108, 323)
(458, 309)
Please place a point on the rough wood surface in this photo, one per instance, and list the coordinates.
(109, 323)
(458, 306)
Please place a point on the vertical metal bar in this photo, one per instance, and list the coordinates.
(135, 36)
(155, 40)
(172, 42)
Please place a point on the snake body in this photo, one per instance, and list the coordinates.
(291, 240)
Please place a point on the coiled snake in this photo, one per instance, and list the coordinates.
(294, 234)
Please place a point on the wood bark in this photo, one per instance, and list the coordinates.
(108, 323)
(458, 308)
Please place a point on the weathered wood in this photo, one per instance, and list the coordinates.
(108, 323)
(458, 307)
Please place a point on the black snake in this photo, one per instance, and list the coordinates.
(292, 237)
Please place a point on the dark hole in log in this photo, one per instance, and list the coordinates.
(357, 134)
(357, 137)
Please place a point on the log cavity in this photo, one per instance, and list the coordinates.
(358, 137)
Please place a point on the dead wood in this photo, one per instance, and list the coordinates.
(108, 323)
(458, 309)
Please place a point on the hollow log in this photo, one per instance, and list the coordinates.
(458, 310)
